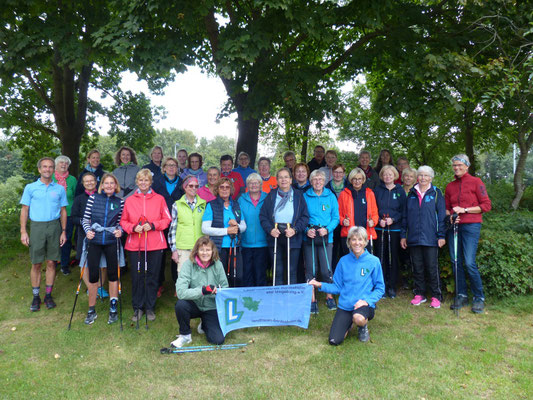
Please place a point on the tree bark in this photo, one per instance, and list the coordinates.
(248, 136)
(305, 142)
(524, 145)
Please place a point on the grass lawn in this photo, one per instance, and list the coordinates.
(414, 353)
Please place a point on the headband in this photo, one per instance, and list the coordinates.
(464, 161)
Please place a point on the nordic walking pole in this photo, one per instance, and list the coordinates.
(234, 260)
(275, 253)
(138, 273)
(327, 259)
(79, 285)
(145, 273)
(455, 239)
(119, 285)
(288, 256)
(382, 244)
(390, 252)
(371, 245)
(229, 257)
(101, 289)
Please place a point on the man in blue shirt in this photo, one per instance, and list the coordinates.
(44, 201)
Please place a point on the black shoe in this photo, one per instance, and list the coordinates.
(391, 293)
(35, 304)
(478, 307)
(113, 317)
(91, 316)
(459, 302)
(49, 302)
(65, 270)
(364, 335)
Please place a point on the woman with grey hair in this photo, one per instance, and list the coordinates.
(467, 198)
(254, 241)
(423, 232)
(69, 183)
(358, 280)
(318, 241)
(126, 171)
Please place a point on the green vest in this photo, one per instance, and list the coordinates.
(71, 189)
(189, 226)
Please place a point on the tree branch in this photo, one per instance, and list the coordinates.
(39, 89)
(355, 46)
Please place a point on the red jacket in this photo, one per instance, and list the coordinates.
(238, 183)
(467, 191)
(153, 208)
(346, 209)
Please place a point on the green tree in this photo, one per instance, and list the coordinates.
(174, 139)
(212, 149)
(51, 54)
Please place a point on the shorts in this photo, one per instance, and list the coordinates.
(366, 311)
(44, 241)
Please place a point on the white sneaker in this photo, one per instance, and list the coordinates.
(181, 341)
(200, 330)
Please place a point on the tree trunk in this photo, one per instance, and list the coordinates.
(248, 136)
(518, 179)
(469, 137)
(70, 147)
(305, 142)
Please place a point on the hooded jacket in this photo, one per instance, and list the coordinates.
(152, 207)
(423, 222)
(323, 210)
(391, 203)
(126, 178)
(254, 236)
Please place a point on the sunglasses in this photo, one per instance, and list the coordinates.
(193, 186)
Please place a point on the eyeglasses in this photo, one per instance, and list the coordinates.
(171, 165)
(357, 179)
(224, 187)
(193, 186)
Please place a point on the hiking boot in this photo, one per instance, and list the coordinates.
(478, 306)
(418, 300)
(102, 293)
(113, 317)
(65, 270)
(91, 316)
(35, 304)
(330, 303)
(151, 315)
(160, 291)
(181, 341)
(314, 307)
(49, 302)
(459, 302)
(137, 315)
(435, 303)
(200, 330)
(364, 335)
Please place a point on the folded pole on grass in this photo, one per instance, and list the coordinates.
(275, 258)
(79, 285)
(198, 349)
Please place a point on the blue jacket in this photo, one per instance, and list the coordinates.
(159, 186)
(423, 224)
(254, 235)
(106, 211)
(323, 210)
(299, 221)
(357, 279)
(391, 202)
(155, 169)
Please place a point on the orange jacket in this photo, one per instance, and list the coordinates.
(346, 209)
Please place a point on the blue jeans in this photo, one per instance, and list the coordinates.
(467, 241)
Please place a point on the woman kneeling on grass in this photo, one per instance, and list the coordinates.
(358, 280)
(196, 287)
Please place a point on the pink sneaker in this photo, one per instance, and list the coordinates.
(435, 303)
(418, 300)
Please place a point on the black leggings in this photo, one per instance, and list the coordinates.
(93, 259)
(343, 321)
(187, 309)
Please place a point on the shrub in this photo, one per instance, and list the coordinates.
(503, 257)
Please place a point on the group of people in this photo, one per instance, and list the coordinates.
(228, 226)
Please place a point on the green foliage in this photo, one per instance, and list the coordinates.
(503, 256)
(10, 194)
(212, 149)
(501, 194)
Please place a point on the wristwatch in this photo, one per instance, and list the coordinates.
(466, 210)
